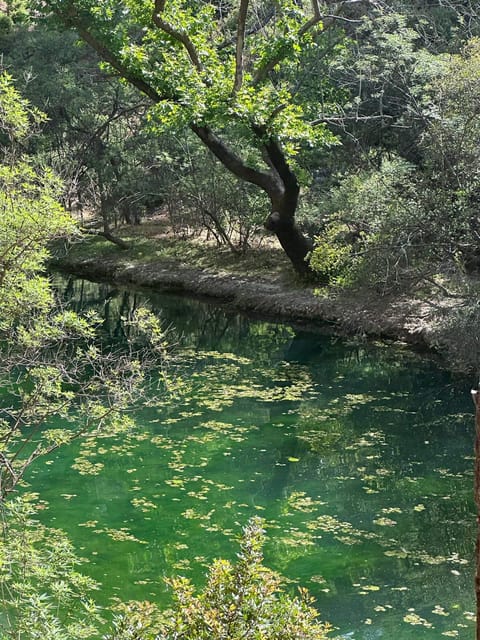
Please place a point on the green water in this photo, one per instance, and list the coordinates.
(358, 456)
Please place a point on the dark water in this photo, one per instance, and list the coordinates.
(359, 457)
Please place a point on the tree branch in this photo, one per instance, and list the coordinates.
(341, 119)
(242, 18)
(107, 55)
(264, 70)
(98, 133)
(278, 160)
(108, 235)
(177, 34)
(314, 20)
(232, 161)
(326, 19)
(252, 31)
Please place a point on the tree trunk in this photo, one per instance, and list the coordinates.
(281, 222)
(279, 183)
(284, 191)
(278, 180)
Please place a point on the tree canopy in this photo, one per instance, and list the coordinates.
(232, 75)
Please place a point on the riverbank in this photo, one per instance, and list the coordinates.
(263, 283)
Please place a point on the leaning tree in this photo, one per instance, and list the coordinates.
(232, 72)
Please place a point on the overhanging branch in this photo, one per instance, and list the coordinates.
(108, 56)
(232, 161)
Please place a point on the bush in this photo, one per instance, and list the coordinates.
(242, 601)
(376, 230)
(43, 594)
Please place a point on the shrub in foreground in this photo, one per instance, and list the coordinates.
(241, 601)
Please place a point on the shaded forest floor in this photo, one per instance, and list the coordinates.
(261, 282)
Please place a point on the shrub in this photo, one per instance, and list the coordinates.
(377, 229)
(241, 601)
(43, 594)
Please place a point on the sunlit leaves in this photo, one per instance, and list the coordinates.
(30, 554)
(240, 599)
(16, 114)
(31, 217)
(186, 55)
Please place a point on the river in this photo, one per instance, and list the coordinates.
(357, 455)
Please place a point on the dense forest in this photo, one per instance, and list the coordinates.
(343, 136)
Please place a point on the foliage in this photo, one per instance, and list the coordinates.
(43, 593)
(403, 222)
(16, 114)
(52, 366)
(188, 59)
(451, 146)
(111, 165)
(386, 71)
(52, 362)
(18, 10)
(289, 84)
(94, 137)
(376, 229)
(31, 215)
(195, 78)
(240, 601)
(332, 255)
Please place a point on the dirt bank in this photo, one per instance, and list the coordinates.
(262, 282)
(400, 318)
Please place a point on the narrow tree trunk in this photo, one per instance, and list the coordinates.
(108, 236)
(106, 233)
(476, 400)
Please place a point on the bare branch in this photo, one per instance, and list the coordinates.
(177, 34)
(341, 119)
(242, 18)
(252, 30)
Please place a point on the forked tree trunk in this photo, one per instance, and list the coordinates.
(279, 183)
(476, 400)
(278, 180)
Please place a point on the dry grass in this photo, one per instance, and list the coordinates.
(154, 241)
